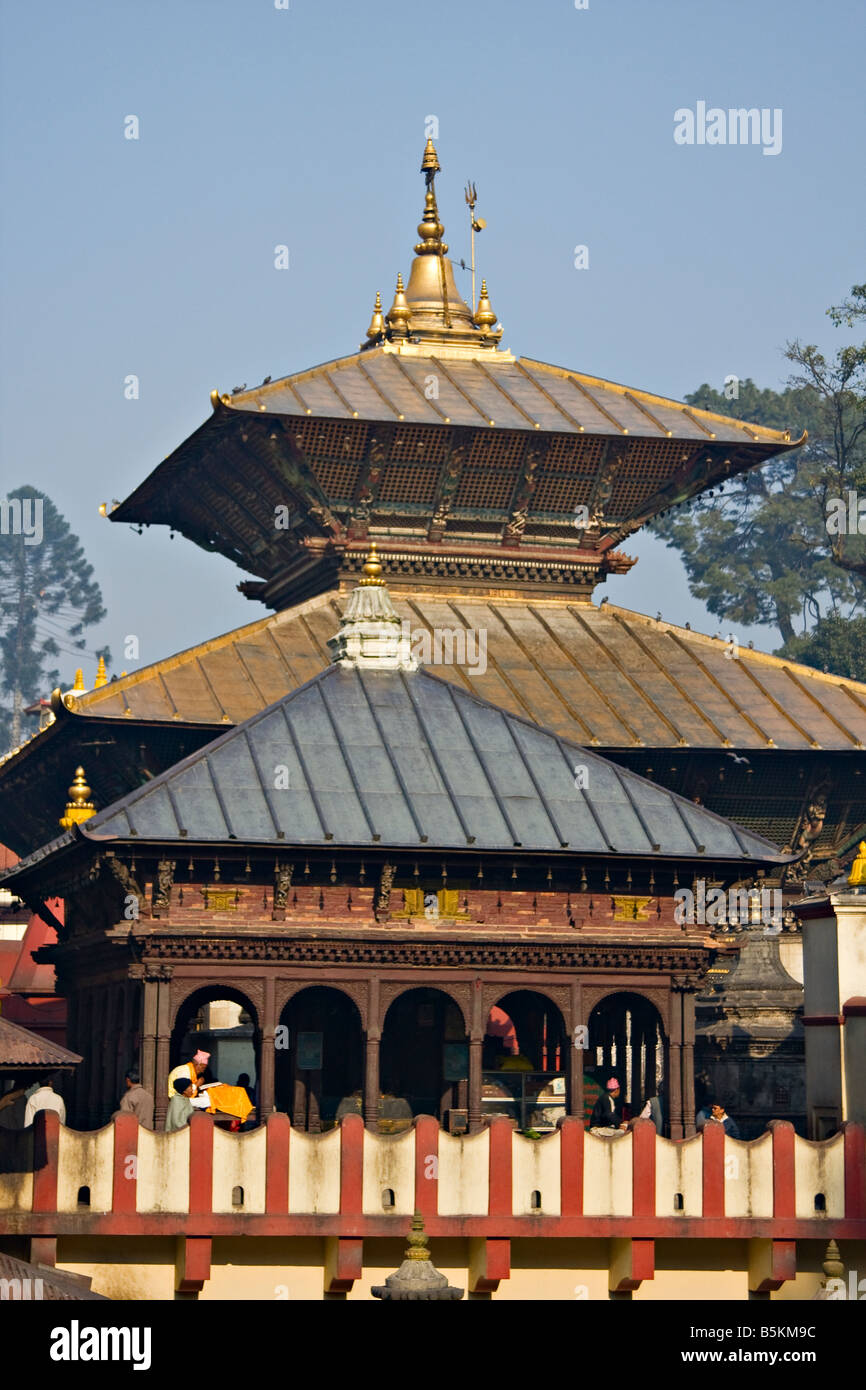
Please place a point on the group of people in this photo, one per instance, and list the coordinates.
(607, 1120)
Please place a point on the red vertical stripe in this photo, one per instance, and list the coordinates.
(571, 1166)
(200, 1164)
(784, 1203)
(352, 1166)
(46, 1145)
(277, 1164)
(427, 1165)
(125, 1182)
(643, 1176)
(500, 1198)
(855, 1170)
(713, 1159)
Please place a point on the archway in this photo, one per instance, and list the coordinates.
(220, 1020)
(424, 1058)
(525, 1061)
(319, 1075)
(626, 1041)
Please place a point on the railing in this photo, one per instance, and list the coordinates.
(280, 1181)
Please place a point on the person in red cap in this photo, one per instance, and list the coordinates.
(606, 1120)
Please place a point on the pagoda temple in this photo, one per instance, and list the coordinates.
(497, 491)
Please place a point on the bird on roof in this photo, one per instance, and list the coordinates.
(737, 758)
(688, 627)
(236, 389)
(266, 380)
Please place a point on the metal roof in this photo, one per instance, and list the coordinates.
(512, 394)
(602, 676)
(406, 760)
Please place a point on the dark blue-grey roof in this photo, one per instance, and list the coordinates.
(407, 760)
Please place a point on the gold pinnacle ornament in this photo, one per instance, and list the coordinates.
(377, 322)
(372, 569)
(79, 807)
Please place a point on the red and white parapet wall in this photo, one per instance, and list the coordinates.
(492, 1187)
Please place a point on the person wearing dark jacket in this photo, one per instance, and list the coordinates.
(721, 1117)
(606, 1120)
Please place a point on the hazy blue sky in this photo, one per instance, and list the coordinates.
(305, 126)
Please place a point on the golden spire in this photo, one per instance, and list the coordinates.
(857, 876)
(398, 314)
(430, 161)
(78, 808)
(484, 315)
(78, 684)
(372, 569)
(101, 674)
(377, 322)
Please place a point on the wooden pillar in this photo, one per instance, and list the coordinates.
(675, 1066)
(96, 1054)
(163, 1043)
(267, 1057)
(147, 1055)
(477, 1027)
(688, 998)
(371, 1067)
(576, 1054)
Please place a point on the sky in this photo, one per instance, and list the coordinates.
(265, 123)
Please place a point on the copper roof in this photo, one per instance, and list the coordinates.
(55, 1285)
(21, 1048)
(512, 394)
(602, 676)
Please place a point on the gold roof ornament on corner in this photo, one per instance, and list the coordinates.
(101, 674)
(857, 876)
(79, 807)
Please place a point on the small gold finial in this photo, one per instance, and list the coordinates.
(484, 315)
(430, 161)
(79, 807)
(857, 876)
(372, 569)
(377, 322)
(101, 674)
(78, 683)
(398, 314)
(417, 1240)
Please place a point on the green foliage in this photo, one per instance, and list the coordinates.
(835, 644)
(48, 596)
(759, 551)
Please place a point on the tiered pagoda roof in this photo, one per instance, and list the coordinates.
(458, 458)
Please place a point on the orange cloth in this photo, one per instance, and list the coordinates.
(229, 1100)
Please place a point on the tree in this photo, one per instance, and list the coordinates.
(835, 644)
(48, 596)
(762, 550)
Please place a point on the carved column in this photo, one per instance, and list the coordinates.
(267, 1058)
(477, 1026)
(675, 1065)
(688, 998)
(576, 1055)
(147, 1025)
(95, 1100)
(164, 1022)
(371, 1068)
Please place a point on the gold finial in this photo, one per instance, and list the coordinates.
(377, 322)
(398, 314)
(417, 1239)
(430, 161)
(101, 674)
(484, 315)
(372, 569)
(78, 683)
(857, 876)
(79, 807)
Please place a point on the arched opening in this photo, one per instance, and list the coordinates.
(319, 1075)
(222, 1021)
(83, 1197)
(524, 1061)
(626, 1041)
(237, 1196)
(424, 1059)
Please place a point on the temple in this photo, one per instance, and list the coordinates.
(409, 850)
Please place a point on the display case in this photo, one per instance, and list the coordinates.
(533, 1099)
